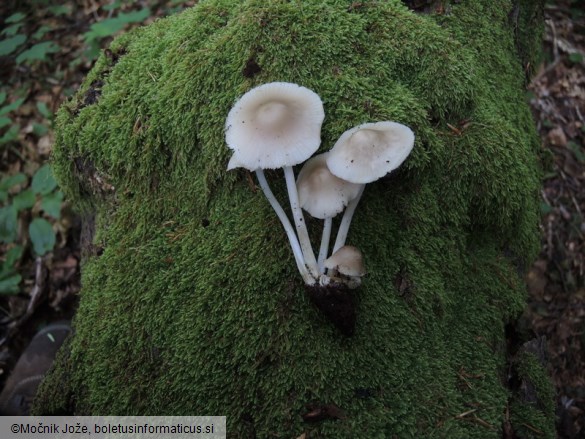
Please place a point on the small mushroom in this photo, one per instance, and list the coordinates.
(278, 125)
(323, 195)
(364, 154)
(348, 261)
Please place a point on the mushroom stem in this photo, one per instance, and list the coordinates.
(324, 244)
(346, 221)
(301, 226)
(288, 228)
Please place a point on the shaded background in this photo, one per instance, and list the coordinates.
(46, 49)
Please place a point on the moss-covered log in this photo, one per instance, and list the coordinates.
(192, 304)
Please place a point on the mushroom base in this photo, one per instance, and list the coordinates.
(337, 303)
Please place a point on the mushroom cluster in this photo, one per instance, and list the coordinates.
(278, 125)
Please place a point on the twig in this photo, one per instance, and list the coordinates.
(531, 428)
(553, 28)
(35, 293)
(579, 113)
(464, 414)
(477, 420)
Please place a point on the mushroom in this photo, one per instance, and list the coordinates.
(323, 195)
(278, 125)
(364, 154)
(348, 261)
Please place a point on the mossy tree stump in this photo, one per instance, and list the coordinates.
(191, 301)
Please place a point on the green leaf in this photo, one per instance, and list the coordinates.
(10, 135)
(545, 208)
(40, 32)
(11, 107)
(8, 224)
(39, 129)
(15, 17)
(2, 97)
(9, 285)
(43, 181)
(59, 9)
(134, 16)
(576, 58)
(42, 236)
(92, 49)
(44, 110)
(12, 181)
(13, 255)
(110, 26)
(24, 200)
(10, 31)
(105, 28)
(9, 45)
(4, 121)
(38, 52)
(51, 204)
(112, 6)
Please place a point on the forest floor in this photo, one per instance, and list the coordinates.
(556, 281)
(59, 47)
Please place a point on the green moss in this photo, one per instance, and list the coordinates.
(533, 404)
(178, 318)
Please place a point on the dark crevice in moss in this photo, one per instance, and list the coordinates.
(422, 5)
(91, 180)
(404, 285)
(247, 422)
(252, 68)
(113, 56)
(88, 248)
(527, 378)
(323, 412)
(337, 303)
(94, 91)
(92, 94)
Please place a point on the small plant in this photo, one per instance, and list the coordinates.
(5, 109)
(9, 277)
(29, 41)
(20, 202)
(12, 39)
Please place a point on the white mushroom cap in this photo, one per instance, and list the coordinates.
(274, 125)
(367, 152)
(321, 193)
(348, 260)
